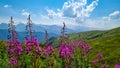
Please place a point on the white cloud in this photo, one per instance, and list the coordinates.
(74, 9)
(6, 6)
(112, 16)
(51, 13)
(89, 8)
(25, 13)
(115, 15)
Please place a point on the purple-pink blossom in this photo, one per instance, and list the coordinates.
(70, 47)
(80, 44)
(86, 48)
(65, 51)
(14, 47)
(95, 62)
(13, 61)
(105, 65)
(48, 50)
(117, 66)
(32, 43)
(99, 55)
(39, 50)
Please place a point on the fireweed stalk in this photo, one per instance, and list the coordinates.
(65, 50)
(32, 45)
(14, 47)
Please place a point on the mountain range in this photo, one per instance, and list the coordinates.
(39, 31)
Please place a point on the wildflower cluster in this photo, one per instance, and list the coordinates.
(48, 51)
(32, 45)
(65, 51)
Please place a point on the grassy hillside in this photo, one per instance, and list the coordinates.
(107, 42)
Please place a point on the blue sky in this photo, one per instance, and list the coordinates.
(97, 14)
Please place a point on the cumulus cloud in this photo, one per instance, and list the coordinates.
(6, 6)
(51, 13)
(77, 9)
(115, 15)
(25, 13)
(112, 16)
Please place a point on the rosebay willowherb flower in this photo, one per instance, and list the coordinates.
(117, 66)
(48, 51)
(70, 47)
(32, 45)
(105, 66)
(80, 44)
(13, 45)
(85, 48)
(64, 51)
(13, 61)
(95, 62)
(99, 55)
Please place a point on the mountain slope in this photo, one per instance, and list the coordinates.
(107, 42)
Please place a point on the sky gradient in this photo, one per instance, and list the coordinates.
(96, 14)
